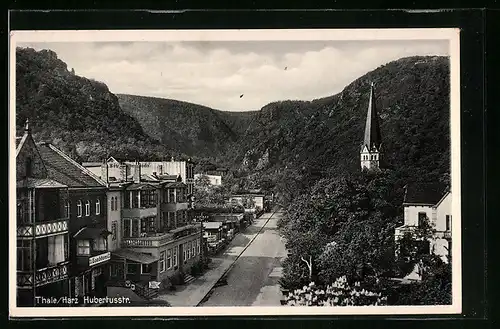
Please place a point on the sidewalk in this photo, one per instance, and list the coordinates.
(193, 293)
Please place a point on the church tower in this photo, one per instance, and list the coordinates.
(371, 148)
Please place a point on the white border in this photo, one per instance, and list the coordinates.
(246, 35)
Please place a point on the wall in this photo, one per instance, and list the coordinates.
(411, 214)
(443, 209)
(114, 216)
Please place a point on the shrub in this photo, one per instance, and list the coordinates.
(340, 293)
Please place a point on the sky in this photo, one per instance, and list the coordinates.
(234, 75)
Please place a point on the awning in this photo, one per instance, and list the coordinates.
(91, 233)
(135, 256)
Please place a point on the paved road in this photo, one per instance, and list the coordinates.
(253, 280)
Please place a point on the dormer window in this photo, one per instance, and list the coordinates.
(98, 207)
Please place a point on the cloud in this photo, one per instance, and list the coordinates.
(215, 74)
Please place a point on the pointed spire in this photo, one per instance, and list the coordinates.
(372, 128)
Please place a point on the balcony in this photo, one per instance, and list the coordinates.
(54, 227)
(139, 212)
(150, 241)
(98, 259)
(155, 240)
(43, 276)
(171, 207)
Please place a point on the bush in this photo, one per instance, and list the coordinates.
(340, 293)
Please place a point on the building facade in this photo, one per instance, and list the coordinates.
(213, 179)
(427, 203)
(42, 228)
(87, 212)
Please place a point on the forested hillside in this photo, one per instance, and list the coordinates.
(190, 128)
(77, 114)
(301, 141)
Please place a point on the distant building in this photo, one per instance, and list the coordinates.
(427, 202)
(213, 179)
(253, 199)
(371, 150)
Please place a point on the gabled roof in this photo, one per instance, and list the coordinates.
(91, 164)
(423, 193)
(373, 139)
(62, 168)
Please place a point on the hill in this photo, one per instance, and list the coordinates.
(79, 115)
(189, 128)
(307, 140)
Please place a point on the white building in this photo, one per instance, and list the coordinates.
(214, 179)
(427, 202)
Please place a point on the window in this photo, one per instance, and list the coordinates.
(112, 203)
(67, 209)
(161, 263)
(87, 208)
(99, 244)
(127, 226)
(448, 222)
(83, 248)
(79, 208)
(24, 255)
(147, 225)
(169, 258)
(131, 268)
(193, 250)
(198, 246)
(190, 249)
(98, 207)
(145, 269)
(184, 252)
(176, 253)
(422, 218)
(136, 228)
(113, 230)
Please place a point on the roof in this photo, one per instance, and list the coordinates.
(140, 186)
(174, 184)
(212, 225)
(18, 140)
(182, 228)
(424, 193)
(372, 138)
(65, 170)
(91, 164)
(39, 183)
(91, 233)
(135, 256)
(168, 177)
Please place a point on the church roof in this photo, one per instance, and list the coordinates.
(372, 129)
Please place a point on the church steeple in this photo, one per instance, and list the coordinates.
(371, 148)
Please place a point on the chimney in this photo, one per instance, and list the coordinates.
(104, 171)
(137, 172)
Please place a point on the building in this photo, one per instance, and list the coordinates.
(42, 228)
(88, 228)
(155, 240)
(428, 203)
(249, 200)
(117, 170)
(213, 179)
(371, 150)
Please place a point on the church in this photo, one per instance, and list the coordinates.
(371, 150)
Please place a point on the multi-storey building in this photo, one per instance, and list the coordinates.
(428, 204)
(152, 237)
(86, 208)
(42, 228)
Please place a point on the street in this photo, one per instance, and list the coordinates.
(254, 277)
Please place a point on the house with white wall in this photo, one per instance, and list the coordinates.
(428, 202)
